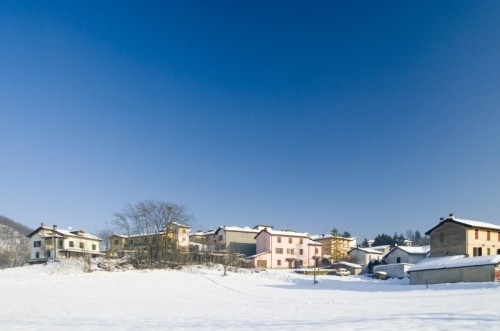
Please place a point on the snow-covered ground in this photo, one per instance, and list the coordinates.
(61, 297)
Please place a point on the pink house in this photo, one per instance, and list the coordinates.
(285, 249)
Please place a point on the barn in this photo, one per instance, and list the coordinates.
(456, 269)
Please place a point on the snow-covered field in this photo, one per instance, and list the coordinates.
(61, 297)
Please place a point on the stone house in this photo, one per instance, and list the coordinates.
(453, 236)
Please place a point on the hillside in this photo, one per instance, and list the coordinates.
(22, 229)
(14, 245)
(60, 296)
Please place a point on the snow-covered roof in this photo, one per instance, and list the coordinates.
(329, 236)
(367, 250)
(78, 233)
(454, 261)
(380, 248)
(237, 229)
(468, 223)
(180, 225)
(414, 249)
(202, 233)
(287, 233)
(350, 264)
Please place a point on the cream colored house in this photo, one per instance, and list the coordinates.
(48, 243)
(285, 249)
(453, 236)
(335, 248)
(177, 238)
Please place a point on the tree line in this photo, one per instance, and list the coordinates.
(398, 239)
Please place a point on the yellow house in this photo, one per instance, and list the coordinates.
(335, 248)
(48, 243)
(453, 236)
(177, 238)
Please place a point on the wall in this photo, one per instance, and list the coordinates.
(448, 239)
(405, 257)
(455, 275)
(493, 244)
(398, 270)
(241, 242)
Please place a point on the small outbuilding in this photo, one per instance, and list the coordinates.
(396, 270)
(456, 269)
(354, 268)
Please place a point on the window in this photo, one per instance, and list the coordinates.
(47, 254)
(279, 239)
(116, 242)
(290, 251)
(488, 251)
(499, 236)
(301, 251)
(279, 262)
(398, 260)
(477, 251)
(498, 251)
(488, 236)
(81, 245)
(301, 241)
(94, 247)
(289, 240)
(37, 243)
(37, 255)
(476, 234)
(315, 251)
(61, 244)
(71, 244)
(279, 250)
(220, 237)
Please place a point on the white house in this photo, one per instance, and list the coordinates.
(363, 256)
(407, 254)
(53, 243)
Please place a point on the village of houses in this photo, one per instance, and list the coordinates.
(460, 250)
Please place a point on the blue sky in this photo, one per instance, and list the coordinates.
(368, 116)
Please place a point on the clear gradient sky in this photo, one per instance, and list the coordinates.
(368, 116)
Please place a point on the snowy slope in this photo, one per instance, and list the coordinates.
(62, 297)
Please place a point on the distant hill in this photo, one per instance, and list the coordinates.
(22, 229)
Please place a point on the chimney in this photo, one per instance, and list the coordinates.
(452, 216)
(55, 227)
(441, 219)
(43, 224)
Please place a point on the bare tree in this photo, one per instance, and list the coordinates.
(104, 233)
(155, 223)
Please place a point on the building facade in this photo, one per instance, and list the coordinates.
(237, 240)
(286, 249)
(48, 243)
(453, 236)
(363, 256)
(175, 237)
(406, 254)
(335, 248)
